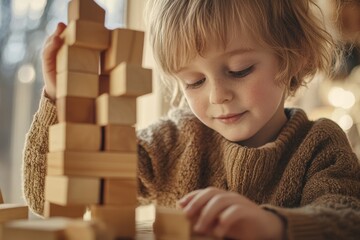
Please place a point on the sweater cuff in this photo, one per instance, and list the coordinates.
(46, 113)
(299, 224)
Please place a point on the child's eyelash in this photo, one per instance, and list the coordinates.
(237, 74)
(242, 73)
(196, 84)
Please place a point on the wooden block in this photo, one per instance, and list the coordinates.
(9, 212)
(115, 110)
(92, 164)
(1, 198)
(74, 136)
(119, 220)
(55, 210)
(172, 224)
(104, 84)
(85, 10)
(121, 138)
(87, 230)
(121, 192)
(86, 34)
(130, 80)
(75, 109)
(66, 191)
(77, 59)
(50, 229)
(77, 84)
(126, 45)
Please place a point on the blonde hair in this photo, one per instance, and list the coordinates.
(180, 30)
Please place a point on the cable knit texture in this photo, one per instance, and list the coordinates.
(309, 174)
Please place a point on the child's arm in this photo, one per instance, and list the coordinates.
(329, 207)
(36, 144)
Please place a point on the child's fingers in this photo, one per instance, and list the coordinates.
(187, 198)
(227, 219)
(199, 201)
(213, 210)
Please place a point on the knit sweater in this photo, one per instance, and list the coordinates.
(308, 175)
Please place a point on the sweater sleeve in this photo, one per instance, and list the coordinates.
(34, 155)
(330, 203)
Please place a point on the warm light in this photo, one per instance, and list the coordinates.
(338, 97)
(26, 73)
(20, 7)
(38, 5)
(346, 122)
(37, 9)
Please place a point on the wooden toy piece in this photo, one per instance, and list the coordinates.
(86, 34)
(120, 220)
(74, 136)
(77, 59)
(50, 229)
(92, 164)
(121, 138)
(85, 10)
(121, 192)
(66, 191)
(10, 211)
(104, 84)
(75, 109)
(172, 224)
(87, 230)
(130, 80)
(1, 198)
(115, 110)
(126, 45)
(55, 210)
(77, 84)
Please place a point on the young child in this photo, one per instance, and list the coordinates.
(240, 164)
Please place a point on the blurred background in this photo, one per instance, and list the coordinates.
(24, 25)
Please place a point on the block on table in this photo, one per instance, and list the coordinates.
(85, 10)
(172, 224)
(75, 109)
(77, 59)
(130, 80)
(120, 192)
(126, 45)
(49, 229)
(87, 230)
(87, 34)
(66, 191)
(119, 220)
(11, 211)
(115, 110)
(74, 136)
(1, 198)
(92, 164)
(120, 138)
(55, 210)
(77, 84)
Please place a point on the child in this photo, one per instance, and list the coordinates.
(240, 164)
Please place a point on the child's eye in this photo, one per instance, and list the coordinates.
(242, 73)
(196, 84)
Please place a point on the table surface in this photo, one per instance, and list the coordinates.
(144, 231)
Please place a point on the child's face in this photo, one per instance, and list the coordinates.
(233, 91)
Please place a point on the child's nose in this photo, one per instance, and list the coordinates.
(220, 94)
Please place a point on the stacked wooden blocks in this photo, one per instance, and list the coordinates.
(92, 159)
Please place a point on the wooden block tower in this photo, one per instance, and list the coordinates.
(92, 159)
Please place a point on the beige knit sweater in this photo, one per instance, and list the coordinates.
(309, 174)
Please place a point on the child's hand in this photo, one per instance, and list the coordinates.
(228, 214)
(50, 50)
